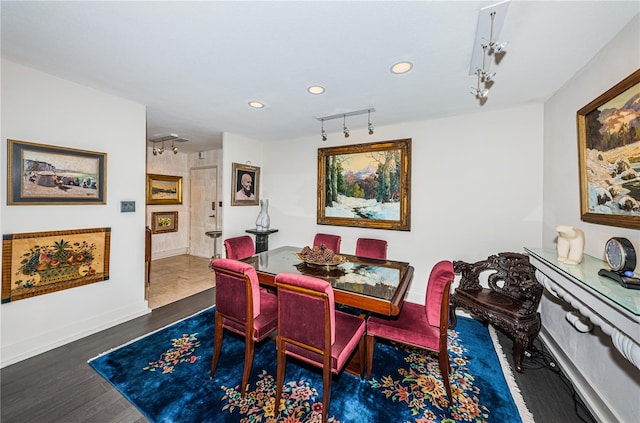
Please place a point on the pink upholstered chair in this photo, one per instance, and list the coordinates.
(243, 308)
(239, 247)
(330, 241)
(311, 330)
(371, 248)
(422, 326)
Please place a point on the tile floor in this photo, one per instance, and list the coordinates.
(178, 277)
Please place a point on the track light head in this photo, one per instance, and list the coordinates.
(489, 76)
(482, 93)
(155, 151)
(498, 47)
(175, 150)
(369, 125)
(345, 130)
(324, 135)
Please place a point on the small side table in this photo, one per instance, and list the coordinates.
(214, 235)
(262, 238)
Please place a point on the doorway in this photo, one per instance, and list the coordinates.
(203, 211)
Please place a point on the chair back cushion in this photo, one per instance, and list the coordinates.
(302, 317)
(231, 298)
(441, 273)
(371, 248)
(239, 247)
(330, 241)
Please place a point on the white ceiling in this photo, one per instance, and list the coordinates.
(195, 65)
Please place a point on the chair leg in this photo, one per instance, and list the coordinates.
(248, 361)
(281, 364)
(443, 358)
(326, 391)
(217, 344)
(371, 341)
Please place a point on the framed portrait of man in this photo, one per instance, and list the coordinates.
(245, 185)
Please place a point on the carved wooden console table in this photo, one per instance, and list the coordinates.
(616, 310)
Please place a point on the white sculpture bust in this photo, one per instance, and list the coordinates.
(570, 244)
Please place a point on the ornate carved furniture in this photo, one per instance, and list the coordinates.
(422, 326)
(241, 307)
(510, 302)
(371, 248)
(311, 330)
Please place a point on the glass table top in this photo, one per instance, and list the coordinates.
(373, 278)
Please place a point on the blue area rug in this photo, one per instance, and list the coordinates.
(166, 376)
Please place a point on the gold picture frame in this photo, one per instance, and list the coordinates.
(39, 263)
(162, 222)
(366, 185)
(41, 174)
(243, 194)
(609, 156)
(164, 189)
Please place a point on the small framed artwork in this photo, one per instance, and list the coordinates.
(609, 156)
(366, 185)
(164, 189)
(43, 262)
(40, 174)
(245, 185)
(162, 222)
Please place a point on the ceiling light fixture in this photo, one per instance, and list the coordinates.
(315, 89)
(256, 104)
(401, 67)
(324, 133)
(160, 139)
(485, 47)
(345, 130)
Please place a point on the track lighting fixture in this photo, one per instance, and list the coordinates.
(160, 139)
(324, 133)
(345, 130)
(487, 49)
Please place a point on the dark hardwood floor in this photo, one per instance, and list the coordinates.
(59, 385)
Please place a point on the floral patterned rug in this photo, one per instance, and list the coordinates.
(166, 376)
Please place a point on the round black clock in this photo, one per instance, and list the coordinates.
(620, 254)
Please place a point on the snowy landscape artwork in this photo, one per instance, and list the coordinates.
(365, 185)
(609, 151)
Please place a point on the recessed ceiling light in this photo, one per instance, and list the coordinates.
(401, 67)
(256, 104)
(316, 89)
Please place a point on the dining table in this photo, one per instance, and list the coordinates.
(370, 285)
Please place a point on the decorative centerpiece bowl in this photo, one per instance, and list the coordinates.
(320, 256)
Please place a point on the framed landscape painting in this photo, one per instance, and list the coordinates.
(43, 262)
(366, 185)
(40, 174)
(164, 189)
(609, 156)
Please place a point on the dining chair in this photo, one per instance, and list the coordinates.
(371, 248)
(422, 326)
(239, 247)
(330, 241)
(242, 308)
(311, 330)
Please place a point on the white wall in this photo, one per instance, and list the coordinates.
(615, 381)
(40, 108)
(476, 189)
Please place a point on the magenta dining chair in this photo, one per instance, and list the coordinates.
(422, 326)
(243, 308)
(311, 330)
(239, 247)
(330, 241)
(371, 248)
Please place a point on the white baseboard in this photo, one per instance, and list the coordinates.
(169, 253)
(592, 399)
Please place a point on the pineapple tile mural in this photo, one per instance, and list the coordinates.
(43, 262)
